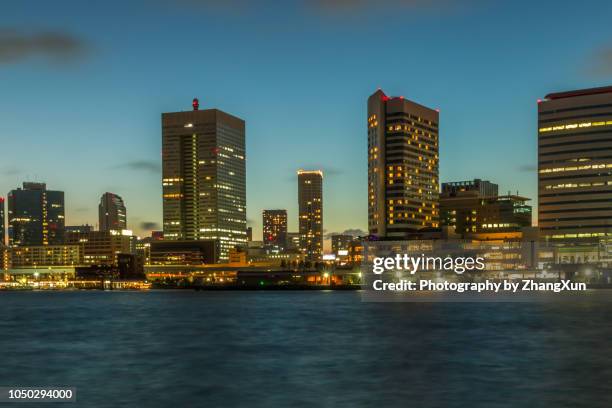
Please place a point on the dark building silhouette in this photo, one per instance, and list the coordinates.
(340, 242)
(275, 228)
(483, 187)
(575, 165)
(182, 252)
(470, 213)
(2, 223)
(36, 215)
(475, 207)
(79, 229)
(402, 166)
(310, 204)
(112, 213)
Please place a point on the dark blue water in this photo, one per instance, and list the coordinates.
(302, 349)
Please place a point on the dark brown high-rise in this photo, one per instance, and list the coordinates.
(402, 166)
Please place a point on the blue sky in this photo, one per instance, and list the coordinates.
(82, 111)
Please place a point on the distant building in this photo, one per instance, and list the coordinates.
(575, 165)
(468, 212)
(80, 229)
(36, 215)
(103, 247)
(143, 249)
(340, 242)
(402, 166)
(275, 228)
(45, 255)
(204, 178)
(2, 223)
(157, 235)
(293, 241)
(112, 213)
(310, 203)
(484, 188)
(249, 234)
(183, 252)
(130, 267)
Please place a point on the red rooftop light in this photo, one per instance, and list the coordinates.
(195, 104)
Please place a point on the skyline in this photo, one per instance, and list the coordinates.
(302, 94)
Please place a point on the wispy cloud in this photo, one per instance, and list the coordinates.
(56, 46)
(342, 7)
(599, 64)
(10, 171)
(141, 165)
(149, 225)
(355, 232)
(527, 168)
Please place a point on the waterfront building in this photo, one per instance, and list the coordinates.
(310, 204)
(103, 247)
(402, 166)
(204, 178)
(112, 213)
(275, 228)
(178, 253)
(35, 215)
(45, 255)
(575, 165)
(475, 207)
(340, 242)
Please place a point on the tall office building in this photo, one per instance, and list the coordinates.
(2, 223)
(310, 203)
(575, 164)
(402, 166)
(275, 228)
(112, 213)
(204, 178)
(35, 215)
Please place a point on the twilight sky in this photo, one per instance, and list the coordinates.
(83, 85)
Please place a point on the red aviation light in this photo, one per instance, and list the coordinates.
(196, 104)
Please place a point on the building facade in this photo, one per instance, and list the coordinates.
(310, 204)
(83, 229)
(484, 188)
(204, 178)
(575, 164)
(112, 213)
(35, 216)
(340, 242)
(470, 213)
(45, 255)
(275, 228)
(2, 222)
(103, 247)
(402, 166)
